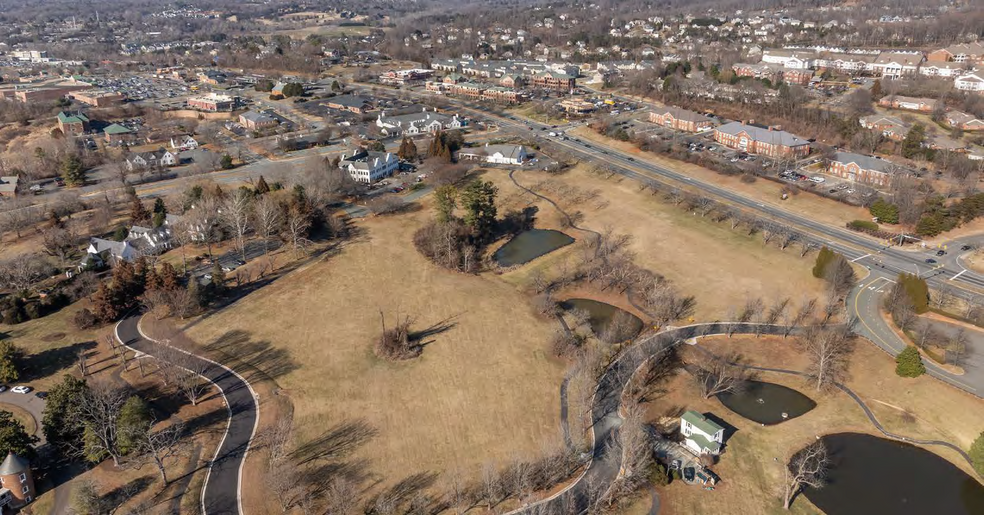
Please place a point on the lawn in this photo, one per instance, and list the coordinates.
(921, 408)
(485, 390)
(708, 260)
(768, 192)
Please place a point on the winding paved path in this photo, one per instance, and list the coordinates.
(222, 494)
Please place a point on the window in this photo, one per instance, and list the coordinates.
(25, 489)
(23, 478)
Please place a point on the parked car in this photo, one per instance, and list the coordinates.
(3, 388)
(966, 247)
(41, 395)
(688, 474)
(21, 389)
(817, 179)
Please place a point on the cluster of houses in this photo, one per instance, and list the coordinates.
(413, 124)
(502, 81)
(796, 65)
(140, 241)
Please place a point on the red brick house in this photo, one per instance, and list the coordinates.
(861, 168)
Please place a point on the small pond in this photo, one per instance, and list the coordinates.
(600, 316)
(875, 475)
(767, 403)
(529, 245)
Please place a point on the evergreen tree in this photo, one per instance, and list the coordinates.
(262, 187)
(977, 454)
(73, 171)
(886, 212)
(132, 424)
(408, 150)
(159, 206)
(14, 437)
(446, 200)
(908, 363)
(226, 162)
(138, 212)
(158, 219)
(11, 357)
(169, 278)
(917, 290)
(478, 200)
(912, 145)
(60, 421)
(335, 86)
(824, 258)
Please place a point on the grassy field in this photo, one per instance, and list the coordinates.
(921, 408)
(720, 267)
(805, 204)
(23, 416)
(484, 390)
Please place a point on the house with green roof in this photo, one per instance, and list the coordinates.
(73, 123)
(116, 134)
(701, 434)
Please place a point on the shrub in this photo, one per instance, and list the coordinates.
(397, 343)
(84, 319)
(977, 454)
(908, 363)
(32, 310)
(886, 212)
(862, 225)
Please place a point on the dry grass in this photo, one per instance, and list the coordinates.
(483, 390)
(720, 267)
(767, 192)
(921, 408)
(21, 415)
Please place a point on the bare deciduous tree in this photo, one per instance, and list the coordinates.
(237, 213)
(715, 375)
(161, 445)
(808, 467)
(829, 349)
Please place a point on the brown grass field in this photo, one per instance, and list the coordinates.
(720, 267)
(484, 390)
(749, 472)
(768, 192)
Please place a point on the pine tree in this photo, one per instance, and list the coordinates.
(262, 187)
(15, 438)
(138, 212)
(132, 424)
(478, 200)
(73, 171)
(908, 363)
(913, 142)
(824, 258)
(10, 358)
(169, 278)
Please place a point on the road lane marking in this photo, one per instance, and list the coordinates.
(855, 260)
(958, 275)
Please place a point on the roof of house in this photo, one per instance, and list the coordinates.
(257, 117)
(64, 117)
(9, 183)
(510, 151)
(705, 443)
(975, 48)
(365, 159)
(116, 129)
(425, 117)
(865, 162)
(970, 77)
(959, 117)
(14, 464)
(349, 100)
(909, 100)
(701, 422)
(681, 114)
(763, 134)
(899, 58)
(878, 119)
(115, 248)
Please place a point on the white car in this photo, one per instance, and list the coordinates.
(817, 179)
(21, 389)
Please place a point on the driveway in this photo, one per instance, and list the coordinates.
(28, 402)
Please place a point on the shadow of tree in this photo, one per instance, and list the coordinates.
(260, 354)
(336, 443)
(127, 491)
(52, 361)
(444, 325)
(411, 489)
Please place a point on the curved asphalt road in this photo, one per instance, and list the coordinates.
(223, 484)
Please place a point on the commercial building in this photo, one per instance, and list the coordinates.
(99, 97)
(368, 167)
(73, 123)
(214, 102)
(680, 119)
(256, 121)
(926, 105)
(768, 141)
(862, 168)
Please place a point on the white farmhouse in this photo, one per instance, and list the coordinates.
(701, 435)
(425, 122)
(497, 154)
(368, 167)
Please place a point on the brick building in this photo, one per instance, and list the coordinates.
(767, 141)
(680, 119)
(861, 168)
(74, 124)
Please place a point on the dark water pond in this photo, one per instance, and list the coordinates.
(767, 403)
(874, 475)
(529, 245)
(600, 316)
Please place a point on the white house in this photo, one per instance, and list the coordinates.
(153, 240)
(102, 252)
(701, 435)
(145, 160)
(947, 69)
(896, 64)
(969, 82)
(181, 143)
(498, 154)
(424, 122)
(795, 59)
(368, 167)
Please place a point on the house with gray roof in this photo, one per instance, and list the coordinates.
(701, 434)
(496, 154)
(353, 103)
(8, 186)
(424, 122)
(861, 168)
(368, 166)
(768, 141)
